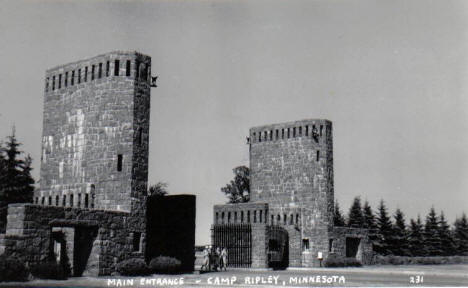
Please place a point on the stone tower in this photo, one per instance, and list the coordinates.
(95, 133)
(291, 166)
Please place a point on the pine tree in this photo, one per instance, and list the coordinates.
(355, 217)
(416, 238)
(400, 235)
(447, 244)
(431, 235)
(16, 183)
(384, 225)
(338, 219)
(2, 163)
(369, 217)
(369, 223)
(461, 235)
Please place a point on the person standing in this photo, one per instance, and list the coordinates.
(206, 259)
(224, 258)
(218, 258)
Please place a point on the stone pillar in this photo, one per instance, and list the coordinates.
(295, 246)
(259, 246)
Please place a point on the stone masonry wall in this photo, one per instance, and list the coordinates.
(141, 122)
(339, 235)
(259, 245)
(29, 228)
(291, 166)
(240, 213)
(94, 111)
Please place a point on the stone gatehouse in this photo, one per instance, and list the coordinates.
(91, 209)
(289, 219)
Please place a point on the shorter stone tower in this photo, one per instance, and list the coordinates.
(289, 219)
(291, 166)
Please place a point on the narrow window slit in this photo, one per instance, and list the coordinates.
(119, 162)
(100, 71)
(116, 67)
(127, 71)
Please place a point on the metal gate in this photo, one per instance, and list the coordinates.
(237, 238)
(278, 247)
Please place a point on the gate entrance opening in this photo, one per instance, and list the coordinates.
(84, 238)
(352, 246)
(278, 248)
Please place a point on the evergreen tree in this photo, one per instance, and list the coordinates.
(355, 217)
(369, 217)
(400, 235)
(431, 235)
(369, 223)
(338, 219)
(385, 231)
(416, 238)
(461, 235)
(16, 183)
(2, 159)
(2, 163)
(447, 244)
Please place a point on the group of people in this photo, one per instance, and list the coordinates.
(214, 258)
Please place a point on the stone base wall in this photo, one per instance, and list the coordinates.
(29, 236)
(339, 235)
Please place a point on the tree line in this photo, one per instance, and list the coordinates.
(389, 234)
(16, 183)
(434, 237)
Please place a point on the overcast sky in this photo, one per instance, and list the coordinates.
(391, 75)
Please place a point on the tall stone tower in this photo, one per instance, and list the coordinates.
(95, 133)
(291, 166)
